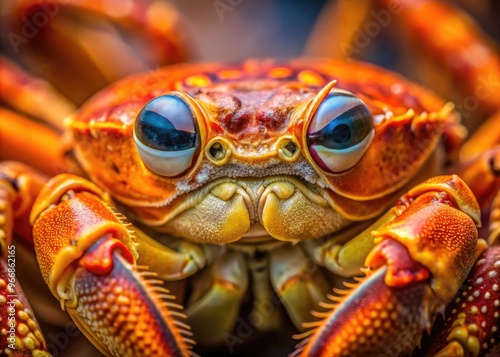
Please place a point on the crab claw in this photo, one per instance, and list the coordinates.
(88, 259)
(421, 259)
(438, 228)
(471, 327)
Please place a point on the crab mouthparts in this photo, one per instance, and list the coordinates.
(279, 207)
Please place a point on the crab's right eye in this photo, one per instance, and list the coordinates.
(340, 131)
(166, 135)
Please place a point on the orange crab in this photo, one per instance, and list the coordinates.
(227, 191)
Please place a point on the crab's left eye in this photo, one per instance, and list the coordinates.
(340, 131)
(166, 135)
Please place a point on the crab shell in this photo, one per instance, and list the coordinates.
(254, 110)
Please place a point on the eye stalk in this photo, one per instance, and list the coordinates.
(166, 135)
(339, 132)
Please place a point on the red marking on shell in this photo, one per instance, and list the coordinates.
(99, 260)
(401, 268)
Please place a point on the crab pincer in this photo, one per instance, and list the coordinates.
(470, 324)
(90, 266)
(419, 262)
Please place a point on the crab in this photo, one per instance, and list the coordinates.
(207, 204)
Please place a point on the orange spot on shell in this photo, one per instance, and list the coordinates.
(229, 74)
(251, 66)
(280, 72)
(198, 81)
(311, 78)
(178, 85)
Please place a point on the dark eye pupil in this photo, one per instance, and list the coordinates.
(344, 120)
(162, 133)
(166, 123)
(341, 134)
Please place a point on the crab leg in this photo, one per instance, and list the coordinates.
(482, 175)
(220, 301)
(348, 259)
(22, 335)
(449, 36)
(297, 281)
(341, 21)
(83, 36)
(480, 161)
(494, 237)
(486, 137)
(20, 185)
(169, 264)
(33, 96)
(20, 137)
(420, 260)
(88, 259)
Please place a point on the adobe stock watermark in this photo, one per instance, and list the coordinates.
(12, 298)
(371, 29)
(31, 26)
(487, 87)
(58, 342)
(223, 6)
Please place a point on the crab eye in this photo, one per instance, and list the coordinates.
(166, 135)
(340, 132)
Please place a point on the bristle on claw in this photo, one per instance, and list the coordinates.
(172, 305)
(338, 298)
(182, 325)
(303, 335)
(299, 347)
(325, 305)
(320, 315)
(189, 341)
(334, 298)
(186, 332)
(311, 324)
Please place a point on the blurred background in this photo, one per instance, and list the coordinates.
(252, 28)
(80, 46)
